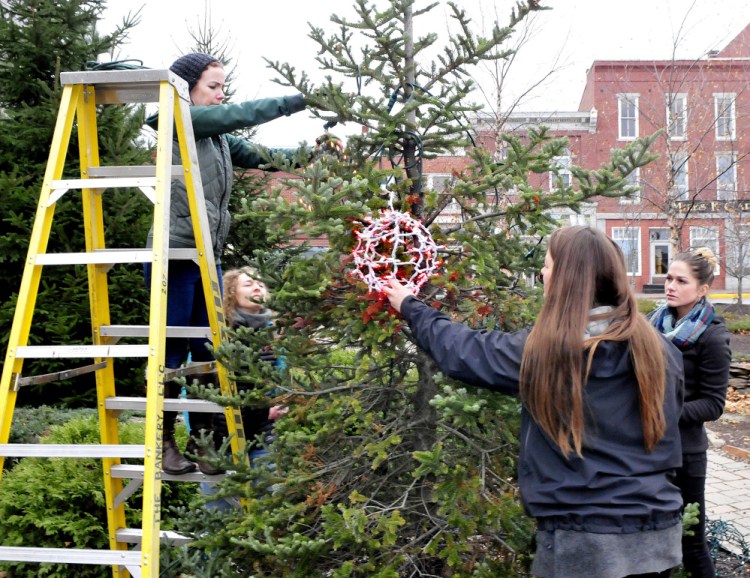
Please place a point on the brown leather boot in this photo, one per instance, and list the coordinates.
(172, 460)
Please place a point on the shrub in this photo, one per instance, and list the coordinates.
(738, 325)
(59, 502)
(32, 423)
(646, 306)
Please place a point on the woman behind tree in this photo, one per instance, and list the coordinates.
(244, 306)
(601, 393)
(689, 320)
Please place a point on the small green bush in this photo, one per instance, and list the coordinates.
(59, 502)
(30, 424)
(646, 306)
(739, 324)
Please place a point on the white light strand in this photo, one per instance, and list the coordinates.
(395, 245)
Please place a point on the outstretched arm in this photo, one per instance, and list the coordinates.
(490, 359)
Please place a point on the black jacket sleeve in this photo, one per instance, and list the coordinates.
(705, 399)
(489, 359)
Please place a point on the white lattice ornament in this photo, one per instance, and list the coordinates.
(395, 245)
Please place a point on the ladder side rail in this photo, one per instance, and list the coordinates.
(40, 233)
(155, 373)
(206, 260)
(93, 218)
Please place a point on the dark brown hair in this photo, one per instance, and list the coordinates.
(588, 270)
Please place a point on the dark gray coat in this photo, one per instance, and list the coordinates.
(218, 152)
(616, 487)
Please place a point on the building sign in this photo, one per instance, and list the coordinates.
(699, 206)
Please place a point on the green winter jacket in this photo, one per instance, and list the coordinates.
(218, 152)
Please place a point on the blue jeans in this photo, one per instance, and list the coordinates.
(228, 503)
(186, 306)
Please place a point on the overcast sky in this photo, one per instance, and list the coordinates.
(566, 40)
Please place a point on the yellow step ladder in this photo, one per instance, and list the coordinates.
(82, 93)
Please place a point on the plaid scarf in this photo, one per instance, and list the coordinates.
(688, 329)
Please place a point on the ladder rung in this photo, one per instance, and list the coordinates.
(135, 535)
(136, 472)
(110, 256)
(121, 403)
(104, 183)
(131, 171)
(124, 86)
(80, 351)
(143, 331)
(73, 450)
(71, 556)
(191, 369)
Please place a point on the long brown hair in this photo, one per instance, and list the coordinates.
(588, 270)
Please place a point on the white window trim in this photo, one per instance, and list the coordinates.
(431, 179)
(563, 163)
(714, 245)
(635, 179)
(675, 98)
(721, 194)
(718, 96)
(638, 249)
(683, 196)
(631, 98)
(731, 236)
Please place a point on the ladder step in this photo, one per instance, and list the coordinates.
(136, 472)
(135, 535)
(131, 171)
(143, 330)
(123, 86)
(80, 351)
(71, 556)
(103, 183)
(121, 403)
(72, 450)
(110, 257)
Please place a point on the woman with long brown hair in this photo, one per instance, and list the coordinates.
(601, 392)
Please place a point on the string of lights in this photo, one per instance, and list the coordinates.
(395, 245)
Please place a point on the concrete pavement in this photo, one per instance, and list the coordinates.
(728, 490)
(728, 500)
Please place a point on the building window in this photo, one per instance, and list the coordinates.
(725, 116)
(629, 240)
(680, 176)
(438, 183)
(737, 250)
(706, 237)
(628, 116)
(726, 176)
(677, 116)
(441, 184)
(562, 176)
(634, 186)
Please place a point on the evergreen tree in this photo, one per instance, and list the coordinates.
(38, 40)
(383, 467)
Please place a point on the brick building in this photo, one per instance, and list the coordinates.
(697, 192)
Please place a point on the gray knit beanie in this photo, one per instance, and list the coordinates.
(191, 66)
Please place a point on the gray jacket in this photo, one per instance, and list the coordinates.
(218, 152)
